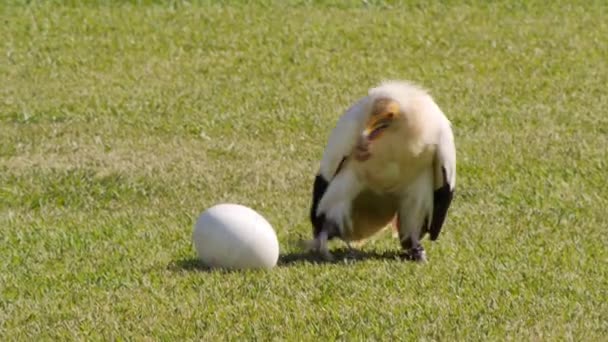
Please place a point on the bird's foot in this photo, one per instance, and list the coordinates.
(319, 246)
(416, 254)
(323, 249)
(351, 251)
(315, 246)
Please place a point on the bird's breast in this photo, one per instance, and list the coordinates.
(391, 167)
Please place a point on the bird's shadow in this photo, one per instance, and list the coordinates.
(340, 256)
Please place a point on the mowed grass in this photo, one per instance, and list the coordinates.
(120, 122)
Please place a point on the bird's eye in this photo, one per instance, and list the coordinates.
(390, 115)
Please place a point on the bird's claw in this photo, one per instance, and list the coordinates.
(416, 254)
(324, 253)
(351, 252)
(315, 246)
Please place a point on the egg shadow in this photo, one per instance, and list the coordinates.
(193, 264)
(340, 257)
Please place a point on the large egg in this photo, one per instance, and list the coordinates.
(234, 236)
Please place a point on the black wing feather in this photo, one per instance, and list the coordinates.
(319, 187)
(442, 198)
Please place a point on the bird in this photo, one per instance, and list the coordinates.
(390, 160)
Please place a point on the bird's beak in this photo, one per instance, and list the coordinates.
(374, 130)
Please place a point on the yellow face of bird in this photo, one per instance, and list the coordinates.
(383, 114)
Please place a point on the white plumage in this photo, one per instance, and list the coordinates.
(391, 155)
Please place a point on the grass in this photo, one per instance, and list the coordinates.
(121, 121)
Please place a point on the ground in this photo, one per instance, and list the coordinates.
(121, 121)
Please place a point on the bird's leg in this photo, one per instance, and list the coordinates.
(322, 240)
(318, 245)
(409, 235)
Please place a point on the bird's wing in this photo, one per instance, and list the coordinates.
(342, 139)
(339, 146)
(445, 178)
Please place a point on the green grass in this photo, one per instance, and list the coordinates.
(121, 122)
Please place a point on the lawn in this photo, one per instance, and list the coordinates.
(120, 122)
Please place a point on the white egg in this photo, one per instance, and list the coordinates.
(234, 236)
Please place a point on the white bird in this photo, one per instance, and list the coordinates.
(391, 157)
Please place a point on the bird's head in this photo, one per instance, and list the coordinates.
(384, 117)
(385, 113)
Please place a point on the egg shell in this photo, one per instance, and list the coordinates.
(234, 236)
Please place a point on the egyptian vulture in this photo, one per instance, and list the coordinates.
(391, 157)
